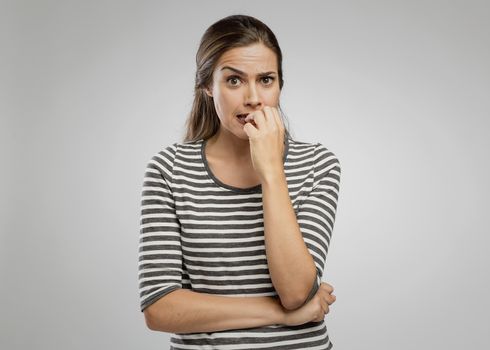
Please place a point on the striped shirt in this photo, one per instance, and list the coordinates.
(199, 233)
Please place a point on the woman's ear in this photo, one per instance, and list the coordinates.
(208, 89)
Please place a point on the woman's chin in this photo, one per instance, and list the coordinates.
(243, 136)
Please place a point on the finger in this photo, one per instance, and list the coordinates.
(327, 287)
(269, 116)
(258, 118)
(325, 300)
(250, 130)
(324, 305)
(278, 119)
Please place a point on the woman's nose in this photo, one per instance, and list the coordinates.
(252, 98)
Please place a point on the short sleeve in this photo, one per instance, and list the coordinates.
(316, 213)
(160, 254)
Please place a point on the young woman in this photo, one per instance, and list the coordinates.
(236, 220)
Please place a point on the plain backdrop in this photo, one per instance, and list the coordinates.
(398, 90)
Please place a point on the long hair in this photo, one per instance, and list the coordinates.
(227, 33)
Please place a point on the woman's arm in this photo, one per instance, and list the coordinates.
(291, 266)
(297, 245)
(186, 311)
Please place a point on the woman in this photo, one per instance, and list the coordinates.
(237, 219)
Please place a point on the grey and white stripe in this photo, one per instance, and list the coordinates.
(199, 233)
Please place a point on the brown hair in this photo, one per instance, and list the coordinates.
(227, 33)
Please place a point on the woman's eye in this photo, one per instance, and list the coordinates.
(232, 78)
(266, 80)
(270, 78)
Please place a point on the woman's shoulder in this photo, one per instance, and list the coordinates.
(163, 160)
(171, 149)
(166, 152)
(169, 152)
(317, 149)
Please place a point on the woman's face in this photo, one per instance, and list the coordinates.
(245, 80)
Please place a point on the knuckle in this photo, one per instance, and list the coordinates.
(327, 287)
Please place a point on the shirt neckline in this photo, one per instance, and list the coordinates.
(257, 188)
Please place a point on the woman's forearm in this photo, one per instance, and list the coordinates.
(291, 266)
(186, 311)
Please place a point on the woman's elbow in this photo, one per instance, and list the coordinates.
(150, 320)
(292, 303)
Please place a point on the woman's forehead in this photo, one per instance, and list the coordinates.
(251, 59)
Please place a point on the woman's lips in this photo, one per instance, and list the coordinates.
(242, 121)
(241, 118)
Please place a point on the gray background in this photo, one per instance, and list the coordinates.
(398, 90)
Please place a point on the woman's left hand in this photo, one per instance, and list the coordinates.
(266, 141)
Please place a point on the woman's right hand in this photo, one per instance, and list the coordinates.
(314, 310)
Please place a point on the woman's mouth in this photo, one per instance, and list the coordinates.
(241, 118)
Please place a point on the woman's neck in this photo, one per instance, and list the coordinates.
(228, 147)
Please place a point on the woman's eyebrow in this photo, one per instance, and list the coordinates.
(243, 73)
